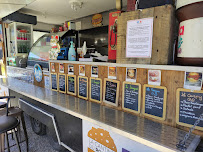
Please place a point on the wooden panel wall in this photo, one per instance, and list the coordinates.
(162, 32)
(172, 80)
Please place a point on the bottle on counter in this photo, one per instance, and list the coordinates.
(71, 53)
(84, 49)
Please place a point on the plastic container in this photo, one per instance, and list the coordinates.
(190, 39)
(71, 53)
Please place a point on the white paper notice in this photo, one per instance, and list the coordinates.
(139, 38)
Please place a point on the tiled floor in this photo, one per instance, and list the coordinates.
(36, 143)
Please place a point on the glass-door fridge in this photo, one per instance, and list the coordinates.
(19, 42)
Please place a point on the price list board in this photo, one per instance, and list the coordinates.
(155, 101)
(83, 87)
(71, 84)
(96, 89)
(62, 83)
(54, 81)
(111, 91)
(189, 107)
(131, 97)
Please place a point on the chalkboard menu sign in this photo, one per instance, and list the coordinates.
(131, 97)
(95, 89)
(189, 107)
(111, 91)
(71, 84)
(62, 83)
(54, 85)
(83, 87)
(155, 101)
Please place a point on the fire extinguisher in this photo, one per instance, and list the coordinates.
(113, 33)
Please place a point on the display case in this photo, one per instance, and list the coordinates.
(19, 39)
(49, 44)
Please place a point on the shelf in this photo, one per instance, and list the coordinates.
(23, 40)
(145, 66)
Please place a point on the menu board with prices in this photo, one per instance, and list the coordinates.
(155, 101)
(131, 97)
(71, 84)
(111, 91)
(54, 85)
(83, 87)
(62, 83)
(96, 89)
(189, 108)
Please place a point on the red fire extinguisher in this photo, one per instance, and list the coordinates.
(113, 18)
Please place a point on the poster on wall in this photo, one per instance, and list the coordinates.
(99, 139)
(71, 69)
(154, 77)
(61, 68)
(193, 80)
(139, 38)
(82, 70)
(52, 67)
(94, 71)
(131, 74)
(112, 72)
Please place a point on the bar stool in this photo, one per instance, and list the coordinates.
(2, 104)
(8, 123)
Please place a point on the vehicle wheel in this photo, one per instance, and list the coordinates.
(38, 127)
(52, 138)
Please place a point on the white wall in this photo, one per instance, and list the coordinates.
(37, 35)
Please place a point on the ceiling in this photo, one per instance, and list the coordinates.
(9, 6)
(59, 11)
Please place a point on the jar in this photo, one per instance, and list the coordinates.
(190, 38)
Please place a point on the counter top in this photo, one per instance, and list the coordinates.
(145, 66)
(155, 135)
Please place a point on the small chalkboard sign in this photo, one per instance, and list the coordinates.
(131, 97)
(71, 84)
(62, 83)
(111, 91)
(54, 81)
(83, 87)
(96, 89)
(155, 101)
(189, 107)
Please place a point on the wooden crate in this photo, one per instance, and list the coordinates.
(162, 42)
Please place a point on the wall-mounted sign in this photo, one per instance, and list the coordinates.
(189, 107)
(96, 89)
(71, 84)
(54, 80)
(111, 91)
(139, 38)
(62, 83)
(38, 72)
(131, 97)
(97, 20)
(83, 87)
(155, 101)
